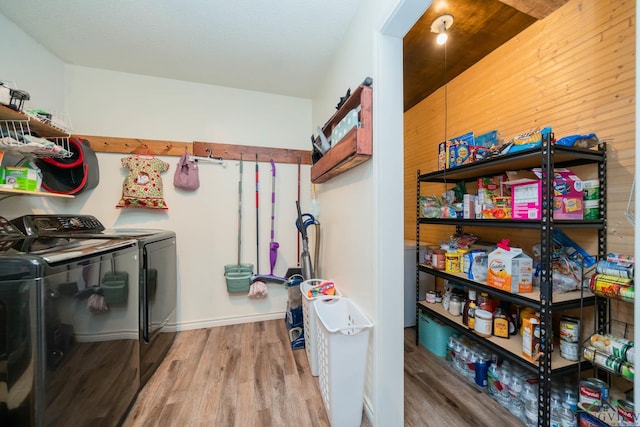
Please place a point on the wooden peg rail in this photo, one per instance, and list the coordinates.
(108, 144)
(248, 152)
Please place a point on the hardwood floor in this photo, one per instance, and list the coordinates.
(248, 375)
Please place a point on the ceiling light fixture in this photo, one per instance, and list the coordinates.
(440, 26)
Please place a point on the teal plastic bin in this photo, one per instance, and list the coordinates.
(434, 334)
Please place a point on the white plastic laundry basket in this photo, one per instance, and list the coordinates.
(343, 340)
(310, 322)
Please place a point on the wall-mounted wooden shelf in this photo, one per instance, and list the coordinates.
(7, 192)
(355, 147)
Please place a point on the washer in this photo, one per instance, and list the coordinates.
(157, 273)
(69, 331)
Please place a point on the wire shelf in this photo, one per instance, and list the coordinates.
(16, 137)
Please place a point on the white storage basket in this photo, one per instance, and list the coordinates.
(343, 341)
(310, 322)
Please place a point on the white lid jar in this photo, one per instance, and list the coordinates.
(483, 322)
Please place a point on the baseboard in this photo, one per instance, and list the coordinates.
(202, 324)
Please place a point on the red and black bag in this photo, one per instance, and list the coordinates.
(71, 175)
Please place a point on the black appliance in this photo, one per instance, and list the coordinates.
(69, 328)
(158, 276)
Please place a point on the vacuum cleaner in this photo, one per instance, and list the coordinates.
(302, 223)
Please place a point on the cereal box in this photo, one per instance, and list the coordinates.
(526, 194)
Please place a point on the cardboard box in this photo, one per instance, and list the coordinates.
(442, 156)
(510, 270)
(458, 150)
(490, 187)
(19, 178)
(526, 194)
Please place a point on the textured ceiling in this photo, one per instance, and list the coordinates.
(279, 47)
(274, 46)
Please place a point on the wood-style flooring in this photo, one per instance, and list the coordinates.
(248, 375)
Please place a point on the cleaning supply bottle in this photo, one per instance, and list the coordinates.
(468, 316)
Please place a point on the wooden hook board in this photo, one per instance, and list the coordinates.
(108, 144)
(248, 152)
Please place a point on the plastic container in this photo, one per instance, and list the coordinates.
(310, 323)
(238, 277)
(434, 335)
(343, 341)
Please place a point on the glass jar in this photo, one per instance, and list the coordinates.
(455, 305)
(438, 259)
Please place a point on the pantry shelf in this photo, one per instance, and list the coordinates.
(564, 301)
(510, 348)
(563, 157)
(547, 157)
(511, 223)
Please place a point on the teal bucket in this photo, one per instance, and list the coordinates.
(238, 277)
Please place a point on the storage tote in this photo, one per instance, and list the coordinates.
(343, 342)
(434, 335)
(310, 322)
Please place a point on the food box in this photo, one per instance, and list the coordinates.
(511, 270)
(526, 194)
(442, 156)
(490, 187)
(459, 150)
(19, 178)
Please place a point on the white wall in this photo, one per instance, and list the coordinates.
(361, 210)
(117, 104)
(205, 221)
(25, 62)
(366, 202)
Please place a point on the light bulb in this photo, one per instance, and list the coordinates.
(442, 38)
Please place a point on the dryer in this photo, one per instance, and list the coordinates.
(157, 275)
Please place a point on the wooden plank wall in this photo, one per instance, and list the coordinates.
(574, 71)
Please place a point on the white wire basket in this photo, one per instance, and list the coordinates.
(343, 342)
(16, 137)
(310, 322)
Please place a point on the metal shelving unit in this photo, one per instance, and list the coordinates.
(547, 157)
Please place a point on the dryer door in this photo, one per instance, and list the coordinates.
(159, 288)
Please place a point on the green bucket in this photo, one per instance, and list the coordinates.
(238, 268)
(238, 282)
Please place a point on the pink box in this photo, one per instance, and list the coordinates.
(526, 195)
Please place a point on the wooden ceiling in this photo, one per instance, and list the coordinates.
(479, 27)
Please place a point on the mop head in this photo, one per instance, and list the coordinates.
(97, 304)
(258, 289)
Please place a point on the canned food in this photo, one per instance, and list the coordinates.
(627, 370)
(570, 329)
(591, 189)
(612, 287)
(431, 297)
(590, 396)
(604, 388)
(618, 257)
(569, 350)
(603, 360)
(616, 269)
(626, 412)
(621, 348)
(452, 262)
